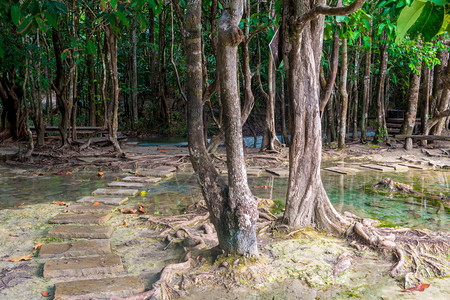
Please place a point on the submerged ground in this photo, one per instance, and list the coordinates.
(298, 267)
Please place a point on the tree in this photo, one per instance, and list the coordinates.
(307, 203)
(232, 207)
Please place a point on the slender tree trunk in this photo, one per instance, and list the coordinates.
(284, 134)
(233, 209)
(381, 133)
(411, 109)
(134, 83)
(425, 99)
(356, 94)
(344, 95)
(444, 100)
(366, 89)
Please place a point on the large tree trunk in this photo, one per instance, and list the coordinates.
(344, 96)
(232, 208)
(307, 203)
(444, 100)
(411, 107)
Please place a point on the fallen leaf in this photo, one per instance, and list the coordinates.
(68, 173)
(141, 209)
(59, 173)
(420, 287)
(162, 150)
(117, 179)
(13, 235)
(143, 193)
(100, 174)
(262, 187)
(21, 205)
(38, 246)
(45, 294)
(128, 211)
(61, 203)
(40, 174)
(96, 203)
(19, 258)
(124, 224)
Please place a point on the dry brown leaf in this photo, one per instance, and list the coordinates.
(420, 287)
(100, 174)
(68, 173)
(21, 205)
(45, 294)
(128, 211)
(124, 224)
(13, 235)
(96, 203)
(38, 246)
(141, 209)
(19, 258)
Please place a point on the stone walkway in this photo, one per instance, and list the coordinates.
(88, 268)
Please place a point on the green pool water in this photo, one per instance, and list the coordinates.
(347, 193)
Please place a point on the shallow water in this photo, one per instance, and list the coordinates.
(347, 193)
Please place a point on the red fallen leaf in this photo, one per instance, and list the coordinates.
(96, 203)
(128, 211)
(45, 294)
(61, 203)
(262, 187)
(141, 209)
(13, 235)
(40, 174)
(162, 150)
(68, 173)
(21, 205)
(420, 287)
(124, 224)
(100, 174)
(59, 173)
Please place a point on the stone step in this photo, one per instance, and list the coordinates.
(84, 209)
(99, 288)
(66, 218)
(104, 200)
(83, 266)
(396, 167)
(279, 171)
(79, 248)
(116, 192)
(125, 184)
(142, 179)
(250, 171)
(342, 170)
(378, 167)
(81, 231)
(416, 166)
(163, 171)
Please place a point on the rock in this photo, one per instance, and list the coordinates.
(80, 248)
(343, 264)
(81, 231)
(142, 179)
(66, 218)
(83, 266)
(157, 173)
(99, 289)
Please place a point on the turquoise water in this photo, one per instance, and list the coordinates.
(346, 192)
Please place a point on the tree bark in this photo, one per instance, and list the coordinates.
(381, 133)
(134, 83)
(411, 110)
(366, 89)
(232, 208)
(356, 94)
(307, 203)
(344, 96)
(425, 99)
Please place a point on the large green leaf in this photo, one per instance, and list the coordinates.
(429, 22)
(407, 18)
(15, 14)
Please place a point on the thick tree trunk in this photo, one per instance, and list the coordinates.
(344, 96)
(381, 133)
(307, 203)
(366, 89)
(411, 107)
(284, 133)
(233, 209)
(444, 100)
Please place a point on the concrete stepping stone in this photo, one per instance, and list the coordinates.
(250, 172)
(84, 209)
(125, 184)
(118, 192)
(81, 231)
(80, 248)
(378, 167)
(162, 171)
(279, 171)
(142, 179)
(83, 266)
(342, 170)
(414, 166)
(397, 167)
(104, 200)
(99, 288)
(65, 218)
